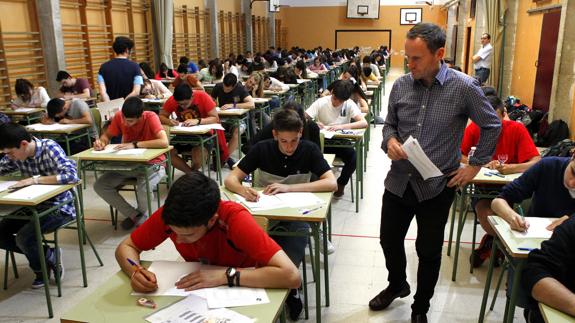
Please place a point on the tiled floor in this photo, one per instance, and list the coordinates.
(357, 268)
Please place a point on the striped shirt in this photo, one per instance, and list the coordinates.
(436, 117)
(49, 159)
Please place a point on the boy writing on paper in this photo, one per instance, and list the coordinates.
(285, 164)
(191, 108)
(139, 129)
(205, 229)
(40, 161)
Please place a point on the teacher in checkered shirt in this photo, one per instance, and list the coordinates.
(432, 104)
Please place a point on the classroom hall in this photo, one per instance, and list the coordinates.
(532, 62)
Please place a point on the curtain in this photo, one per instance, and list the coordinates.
(163, 16)
(495, 11)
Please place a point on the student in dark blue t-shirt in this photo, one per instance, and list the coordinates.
(120, 77)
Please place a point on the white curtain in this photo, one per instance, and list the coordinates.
(163, 16)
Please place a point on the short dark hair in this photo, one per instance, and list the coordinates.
(496, 103)
(122, 44)
(184, 60)
(488, 36)
(287, 120)
(366, 59)
(230, 79)
(54, 107)
(12, 135)
(430, 33)
(342, 90)
(489, 90)
(367, 71)
(133, 107)
(62, 75)
(192, 201)
(183, 92)
(292, 105)
(182, 69)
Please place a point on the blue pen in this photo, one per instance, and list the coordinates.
(311, 210)
(133, 263)
(526, 249)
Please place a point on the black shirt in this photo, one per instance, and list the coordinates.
(267, 156)
(310, 133)
(238, 94)
(118, 74)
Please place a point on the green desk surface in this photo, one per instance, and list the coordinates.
(552, 315)
(112, 302)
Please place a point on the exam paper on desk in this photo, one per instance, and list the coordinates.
(50, 127)
(419, 159)
(31, 192)
(537, 229)
(111, 149)
(214, 126)
(5, 185)
(281, 200)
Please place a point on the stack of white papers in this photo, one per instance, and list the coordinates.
(112, 149)
(537, 229)
(5, 185)
(50, 127)
(31, 192)
(181, 127)
(24, 110)
(281, 200)
(194, 309)
(419, 159)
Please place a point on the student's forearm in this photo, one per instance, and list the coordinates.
(52, 179)
(155, 143)
(322, 185)
(268, 277)
(521, 168)
(356, 125)
(502, 209)
(84, 120)
(165, 120)
(245, 105)
(210, 120)
(123, 252)
(233, 184)
(551, 292)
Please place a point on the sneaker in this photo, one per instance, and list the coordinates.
(38, 281)
(483, 252)
(330, 246)
(52, 265)
(130, 222)
(294, 305)
(340, 191)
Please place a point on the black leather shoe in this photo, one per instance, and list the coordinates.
(383, 299)
(418, 318)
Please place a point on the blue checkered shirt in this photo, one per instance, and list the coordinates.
(49, 159)
(436, 117)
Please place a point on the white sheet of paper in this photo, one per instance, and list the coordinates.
(50, 127)
(215, 126)
(419, 159)
(224, 296)
(167, 274)
(30, 192)
(135, 151)
(266, 202)
(5, 185)
(107, 150)
(536, 228)
(327, 134)
(299, 199)
(23, 110)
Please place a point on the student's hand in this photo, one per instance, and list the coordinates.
(99, 145)
(64, 121)
(335, 127)
(174, 122)
(492, 164)
(144, 281)
(463, 175)
(190, 122)
(22, 183)
(394, 150)
(46, 120)
(124, 146)
(555, 223)
(250, 194)
(275, 188)
(203, 279)
(518, 223)
(227, 106)
(505, 168)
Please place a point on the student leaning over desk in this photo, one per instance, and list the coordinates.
(40, 161)
(139, 129)
(205, 229)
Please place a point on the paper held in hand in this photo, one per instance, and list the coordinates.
(419, 159)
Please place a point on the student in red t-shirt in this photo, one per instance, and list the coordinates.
(139, 129)
(205, 229)
(514, 141)
(191, 108)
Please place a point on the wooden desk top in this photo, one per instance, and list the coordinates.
(188, 131)
(552, 315)
(70, 128)
(271, 92)
(261, 100)
(510, 242)
(232, 112)
(32, 202)
(22, 111)
(112, 302)
(149, 154)
(288, 213)
(481, 178)
(357, 134)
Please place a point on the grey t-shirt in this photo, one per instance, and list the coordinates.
(77, 110)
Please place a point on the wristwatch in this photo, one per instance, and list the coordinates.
(231, 274)
(35, 178)
(135, 143)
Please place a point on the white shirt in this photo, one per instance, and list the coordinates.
(485, 54)
(323, 111)
(277, 84)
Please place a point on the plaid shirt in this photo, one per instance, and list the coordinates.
(49, 159)
(437, 117)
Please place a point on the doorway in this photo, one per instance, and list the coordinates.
(467, 51)
(546, 60)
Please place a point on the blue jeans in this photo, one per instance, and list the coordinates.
(294, 247)
(483, 74)
(19, 235)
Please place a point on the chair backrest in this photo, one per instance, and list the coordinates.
(109, 108)
(263, 222)
(97, 118)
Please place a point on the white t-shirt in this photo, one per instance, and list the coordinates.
(485, 54)
(323, 111)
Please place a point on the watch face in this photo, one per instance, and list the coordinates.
(232, 272)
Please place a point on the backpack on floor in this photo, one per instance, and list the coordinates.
(556, 132)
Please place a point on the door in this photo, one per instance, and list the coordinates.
(454, 45)
(467, 52)
(546, 60)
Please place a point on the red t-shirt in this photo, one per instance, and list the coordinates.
(514, 140)
(203, 104)
(235, 240)
(145, 129)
